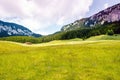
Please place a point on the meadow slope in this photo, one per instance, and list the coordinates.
(67, 60)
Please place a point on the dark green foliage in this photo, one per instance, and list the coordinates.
(96, 30)
(80, 33)
(21, 39)
(110, 32)
(83, 33)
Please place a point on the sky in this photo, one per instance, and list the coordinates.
(48, 16)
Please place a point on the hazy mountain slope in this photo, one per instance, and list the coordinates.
(12, 29)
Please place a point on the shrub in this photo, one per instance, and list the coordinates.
(110, 32)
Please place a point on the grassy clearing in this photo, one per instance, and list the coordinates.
(97, 60)
(80, 41)
(105, 37)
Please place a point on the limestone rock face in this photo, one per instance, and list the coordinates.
(111, 14)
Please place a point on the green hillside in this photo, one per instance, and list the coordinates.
(66, 60)
(84, 34)
(104, 37)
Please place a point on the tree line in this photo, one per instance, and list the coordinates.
(108, 28)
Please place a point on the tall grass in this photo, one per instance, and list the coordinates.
(98, 60)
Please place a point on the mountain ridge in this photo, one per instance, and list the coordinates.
(111, 14)
(13, 29)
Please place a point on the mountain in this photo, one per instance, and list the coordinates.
(109, 15)
(102, 23)
(12, 29)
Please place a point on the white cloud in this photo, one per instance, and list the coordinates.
(106, 5)
(39, 15)
(61, 21)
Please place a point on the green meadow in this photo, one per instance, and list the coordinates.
(93, 59)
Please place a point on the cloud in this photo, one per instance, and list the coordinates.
(39, 15)
(106, 5)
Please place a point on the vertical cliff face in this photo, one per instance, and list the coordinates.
(111, 14)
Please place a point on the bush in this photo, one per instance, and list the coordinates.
(110, 32)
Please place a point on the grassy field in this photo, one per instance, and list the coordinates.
(104, 37)
(61, 60)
